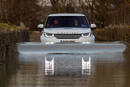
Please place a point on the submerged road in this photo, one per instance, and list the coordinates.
(40, 69)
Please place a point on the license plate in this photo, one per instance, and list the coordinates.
(61, 41)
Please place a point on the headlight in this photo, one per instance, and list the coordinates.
(86, 34)
(48, 34)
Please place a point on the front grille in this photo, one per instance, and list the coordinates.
(67, 36)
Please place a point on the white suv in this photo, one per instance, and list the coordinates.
(67, 28)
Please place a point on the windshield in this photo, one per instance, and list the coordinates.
(67, 21)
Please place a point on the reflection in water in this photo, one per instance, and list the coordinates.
(70, 64)
(71, 70)
(86, 67)
(49, 66)
(9, 66)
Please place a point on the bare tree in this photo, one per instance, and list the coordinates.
(87, 7)
(27, 11)
(62, 6)
(55, 6)
(97, 10)
(17, 11)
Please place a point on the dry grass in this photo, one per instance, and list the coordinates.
(7, 26)
(113, 33)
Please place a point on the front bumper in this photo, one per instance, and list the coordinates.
(83, 39)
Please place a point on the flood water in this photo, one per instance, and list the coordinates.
(70, 70)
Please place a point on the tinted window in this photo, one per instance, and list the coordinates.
(66, 21)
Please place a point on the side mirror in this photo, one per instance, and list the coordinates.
(40, 26)
(93, 26)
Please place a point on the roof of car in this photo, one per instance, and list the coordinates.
(67, 14)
